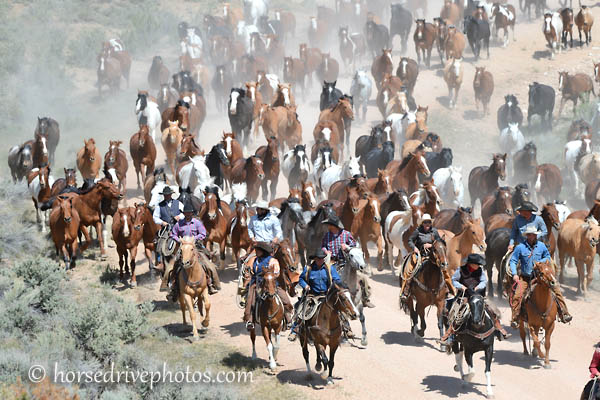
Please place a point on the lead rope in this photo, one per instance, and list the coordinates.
(593, 389)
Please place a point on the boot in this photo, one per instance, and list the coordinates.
(448, 337)
(347, 331)
(567, 318)
(500, 328)
(293, 334)
(365, 297)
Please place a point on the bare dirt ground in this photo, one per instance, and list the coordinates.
(393, 365)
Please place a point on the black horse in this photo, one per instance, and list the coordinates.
(477, 31)
(509, 112)
(520, 195)
(541, 102)
(497, 245)
(183, 82)
(240, 110)
(329, 95)
(309, 237)
(378, 158)
(366, 143)
(400, 24)
(477, 334)
(592, 385)
(216, 159)
(525, 164)
(435, 161)
(377, 36)
(185, 195)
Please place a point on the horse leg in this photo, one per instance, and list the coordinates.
(470, 370)
(189, 303)
(537, 349)
(380, 253)
(361, 318)
(133, 253)
(440, 318)
(547, 336)
(522, 334)
(263, 185)
(206, 303)
(65, 254)
(325, 360)
(222, 247)
(458, 357)
(590, 276)
(138, 168)
(182, 307)
(148, 254)
(421, 313)
(489, 352)
(581, 275)
(266, 332)
(560, 108)
(305, 355)
(276, 343)
(253, 338)
(331, 363)
(318, 364)
(273, 190)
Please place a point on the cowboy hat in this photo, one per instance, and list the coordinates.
(188, 207)
(261, 204)
(264, 246)
(425, 217)
(530, 229)
(475, 258)
(527, 206)
(318, 254)
(334, 220)
(167, 190)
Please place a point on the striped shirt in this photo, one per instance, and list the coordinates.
(193, 228)
(333, 242)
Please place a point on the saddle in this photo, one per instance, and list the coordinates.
(309, 307)
(165, 245)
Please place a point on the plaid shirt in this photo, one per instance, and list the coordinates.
(333, 242)
(193, 228)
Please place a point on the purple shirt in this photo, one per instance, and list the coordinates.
(193, 228)
(333, 242)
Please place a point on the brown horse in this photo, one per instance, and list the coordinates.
(584, 21)
(454, 44)
(408, 71)
(424, 38)
(64, 226)
(109, 74)
(143, 153)
(291, 136)
(312, 58)
(127, 231)
(325, 328)
(405, 173)
(180, 113)
(59, 184)
(171, 140)
(165, 98)
(193, 284)
(197, 110)
(123, 57)
(453, 220)
(237, 227)
(254, 94)
(450, 11)
(382, 184)
(461, 245)
(350, 208)
(418, 130)
(327, 130)
(366, 227)
(159, 73)
(308, 199)
(317, 32)
(336, 114)
(499, 202)
(548, 182)
(39, 149)
(115, 162)
(499, 221)
(269, 155)
(150, 229)
(89, 160)
(551, 219)
(573, 87)
(483, 85)
(250, 171)
(382, 65)
(329, 69)
(294, 72)
(188, 149)
(504, 17)
(541, 311)
(283, 96)
(215, 215)
(484, 180)
(264, 86)
(39, 182)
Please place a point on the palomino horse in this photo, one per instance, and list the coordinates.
(354, 262)
(171, 140)
(461, 245)
(270, 314)
(484, 180)
(269, 154)
(40, 184)
(64, 225)
(584, 21)
(49, 129)
(405, 173)
(127, 231)
(215, 215)
(143, 153)
(325, 328)
(193, 284)
(115, 162)
(541, 311)
(338, 114)
(89, 160)
(428, 288)
(249, 170)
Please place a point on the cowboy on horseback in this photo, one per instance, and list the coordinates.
(263, 262)
(315, 280)
(472, 280)
(336, 242)
(421, 242)
(190, 226)
(525, 218)
(167, 213)
(527, 254)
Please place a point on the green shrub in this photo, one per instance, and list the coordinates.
(82, 49)
(45, 276)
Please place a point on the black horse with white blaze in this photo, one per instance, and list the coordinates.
(509, 112)
(240, 110)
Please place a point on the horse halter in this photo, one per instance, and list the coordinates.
(481, 317)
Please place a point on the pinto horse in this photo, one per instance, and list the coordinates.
(484, 180)
(250, 171)
(143, 153)
(50, 130)
(39, 150)
(115, 163)
(64, 226)
(269, 154)
(39, 182)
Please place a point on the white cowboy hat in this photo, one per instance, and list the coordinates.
(425, 217)
(530, 229)
(261, 204)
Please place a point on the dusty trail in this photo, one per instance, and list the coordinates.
(393, 363)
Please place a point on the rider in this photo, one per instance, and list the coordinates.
(473, 280)
(595, 363)
(421, 241)
(524, 219)
(315, 279)
(264, 226)
(190, 226)
(263, 263)
(335, 242)
(528, 253)
(168, 212)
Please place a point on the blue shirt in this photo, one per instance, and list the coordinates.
(265, 229)
(527, 256)
(258, 268)
(481, 282)
(318, 279)
(519, 225)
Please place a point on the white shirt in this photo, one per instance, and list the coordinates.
(156, 213)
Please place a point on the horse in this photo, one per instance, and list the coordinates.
(377, 36)
(148, 113)
(500, 202)
(461, 245)
(509, 112)
(478, 33)
(355, 262)
(59, 184)
(573, 153)
(20, 161)
(39, 182)
(325, 328)
(548, 182)
(159, 74)
(254, 9)
(215, 215)
(221, 84)
(39, 150)
(312, 58)
(309, 237)
(360, 90)
(578, 128)
(424, 37)
(520, 195)
(525, 163)
(566, 14)
(454, 43)
(294, 72)
(143, 153)
(193, 284)
(584, 21)
(589, 167)
(115, 162)
(255, 96)
(237, 228)
(288, 22)
(295, 166)
(328, 69)
(366, 227)
(484, 180)
(435, 161)
(171, 140)
(338, 114)
(428, 288)
(572, 87)
(541, 102)
(453, 220)
(317, 32)
(193, 174)
(291, 217)
(269, 155)
(483, 85)
(553, 32)
(180, 113)
(400, 24)
(351, 47)
(335, 173)
(109, 74)
(450, 185)
(382, 184)
(308, 199)
(330, 95)
(165, 98)
(240, 112)
(406, 172)
(453, 75)
(382, 65)
(64, 226)
(50, 130)
(217, 162)
(249, 170)
(187, 149)
(408, 71)
(283, 96)
(450, 12)
(378, 158)
(127, 231)
(503, 16)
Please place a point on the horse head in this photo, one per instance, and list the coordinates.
(255, 165)
(503, 200)
(353, 199)
(211, 205)
(295, 211)
(182, 114)
(107, 189)
(373, 208)
(592, 231)
(421, 163)
(338, 297)
(268, 285)
(143, 136)
(41, 142)
(550, 215)
(286, 253)
(241, 212)
(476, 233)
(355, 259)
(499, 165)
(70, 176)
(43, 124)
(384, 181)
(139, 216)
(309, 194)
(66, 206)
(477, 311)
(189, 257)
(433, 194)
(545, 273)
(439, 254)
(44, 176)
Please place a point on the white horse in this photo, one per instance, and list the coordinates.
(573, 150)
(450, 183)
(511, 140)
(321, 164)
(196, 176)
(295, 166)
(396, 223)
(361, 89)
(254, 9)
(355, 262)
(554, 21)
(338, 172)
(37, 184)
(399, 124)
(149, 109)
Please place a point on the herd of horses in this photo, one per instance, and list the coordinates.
(398, 172)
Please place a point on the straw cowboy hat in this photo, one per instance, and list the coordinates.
(530, 229)
(425, 217)
(261, 204)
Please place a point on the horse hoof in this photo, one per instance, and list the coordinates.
(547, 366)
(133, 283)
(318, 367)
(534, 353)
(468, 377)
(490, 396)
(364, 342)
(196, 338)
(455, 368)
(272, 366)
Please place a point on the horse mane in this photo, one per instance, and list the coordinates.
(406, 160)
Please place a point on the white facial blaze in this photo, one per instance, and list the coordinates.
(596, 71)
(286, 96)
(44, 148)
(425, 164)
(234, 100)
(388, 133)
(389, 56)
(313, 23)
(375, 208)
(547, 25)
(327, 158)
(456, 68)
(357, 8)
(350, 300)
(326, 133)
(277, 15)
(102, 64)
(404, 66)
(538, 182)
(225, 10)
(125, 226)
(560, 82)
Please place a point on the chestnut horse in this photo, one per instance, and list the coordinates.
(366, 227)
(50, 130)
(294, 72)
(269, 155)
(453, 220)
(308, 199)
(484, 180)
(548, 182)
(180, 112)
(171, 140)
(237, 228)
(382, 65)
(283, 96)
(59, 184)
(382, 184)
(405, 173)
(115, 163)
(338, 114)
(39, 182)
(424, 37)
(215, 215)
(499, 202)
(64, 226)
(127, 231)
(461, 245)
(250, 171)
(143, 153)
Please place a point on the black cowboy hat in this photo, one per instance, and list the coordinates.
(188, 207)
(318, 254)
(264, 246)
(527, 206)
(335, 221)
(475, 258)
(167, 190)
